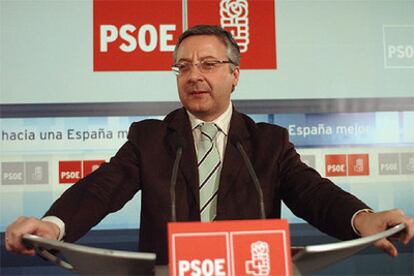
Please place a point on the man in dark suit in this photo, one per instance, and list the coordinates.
(206, 62)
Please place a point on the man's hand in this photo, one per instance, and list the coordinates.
(25, 225)
(372, 223)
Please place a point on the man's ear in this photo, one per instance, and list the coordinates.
(236, 75)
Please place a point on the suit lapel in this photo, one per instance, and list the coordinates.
(179, 125)
(233, 161)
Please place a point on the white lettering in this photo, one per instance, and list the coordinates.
(183, 267)
(219, 267)
(165, 37)
(336, 168)
(196, 267)
(70, 175)
(352, 130)
(317, 130)
(146, 37)
(153, 37)
(126, 34)
(205, 267)
(401, 51)
(12, 176)
(389, 167)
(108, 33)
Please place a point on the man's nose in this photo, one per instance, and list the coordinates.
(195, 73)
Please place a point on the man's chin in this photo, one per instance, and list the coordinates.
(199, 111)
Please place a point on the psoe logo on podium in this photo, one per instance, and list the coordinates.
(248, 247)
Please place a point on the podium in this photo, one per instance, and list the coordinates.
(86, 260)
(312, 258)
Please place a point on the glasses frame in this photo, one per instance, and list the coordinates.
(176, 69)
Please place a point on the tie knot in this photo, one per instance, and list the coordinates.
(208, 130)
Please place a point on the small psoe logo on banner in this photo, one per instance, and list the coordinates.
(410, 164)
(37, 174)
(72, 171)
(398, 46)
(234, 18)
(259, 265)
(358, 164)
(335, 165)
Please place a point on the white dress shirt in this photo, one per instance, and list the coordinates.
(222, 122)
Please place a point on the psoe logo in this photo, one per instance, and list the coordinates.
(134, 35)
(259, 264)
(234, 16)
(141, 35)
(398, 46)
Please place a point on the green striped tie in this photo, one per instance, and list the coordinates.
(208, 170)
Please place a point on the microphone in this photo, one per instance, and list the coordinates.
(235, 140)
(179, 152)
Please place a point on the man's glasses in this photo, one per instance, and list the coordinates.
(205, 66)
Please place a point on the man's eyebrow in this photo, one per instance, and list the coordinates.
(184, 59)
(201, 59)
(208, 57)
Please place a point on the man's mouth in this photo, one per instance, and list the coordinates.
(199, 92)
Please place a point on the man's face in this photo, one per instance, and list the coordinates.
(206, 95)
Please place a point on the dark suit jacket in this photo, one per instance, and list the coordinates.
(145, 163)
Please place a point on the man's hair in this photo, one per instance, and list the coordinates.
(233, 50)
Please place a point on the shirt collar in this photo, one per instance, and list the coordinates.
(223, 121)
